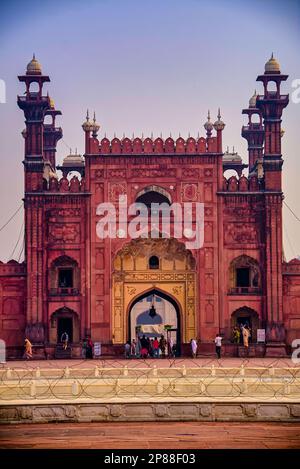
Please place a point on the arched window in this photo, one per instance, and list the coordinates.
(153, 194)
(64, 276)
(154, 262)
(244, 276)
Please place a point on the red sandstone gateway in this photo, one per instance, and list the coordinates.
(114, 290)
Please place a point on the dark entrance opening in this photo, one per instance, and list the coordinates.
(65, 278)
(243, 277)
(65, 325)
(166, 297)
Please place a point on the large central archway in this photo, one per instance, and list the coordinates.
(167, 314)
(136, 275)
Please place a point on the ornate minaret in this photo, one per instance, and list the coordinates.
(34, 105)
(271, 105)
(254, 134)
(52, 135)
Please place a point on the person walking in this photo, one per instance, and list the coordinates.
(89, 348)
(144, 347)
(162, 346)
(133, 348)
(194, 347)
(246, 335)
(218, 342)
(127, 349)
(64, 339)
(155, 346)
(28, 349)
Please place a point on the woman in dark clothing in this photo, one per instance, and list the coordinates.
(89, 348)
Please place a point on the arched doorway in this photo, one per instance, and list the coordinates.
(174, 275)
(246, 316)
(167, 320)
(64, 320)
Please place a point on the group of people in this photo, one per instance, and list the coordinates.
(146, 347)
(218, 345)
(242, 334)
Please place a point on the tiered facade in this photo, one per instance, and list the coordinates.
(73, 280)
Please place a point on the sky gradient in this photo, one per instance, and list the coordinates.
(146, 66)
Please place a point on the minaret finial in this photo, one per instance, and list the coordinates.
(219, 114)
(208, 115)
(87, 115)
(94, 119)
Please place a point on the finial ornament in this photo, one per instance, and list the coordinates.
(208, 125)
(88, 126)
(219, 124)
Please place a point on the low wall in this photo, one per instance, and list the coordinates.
(133, 412)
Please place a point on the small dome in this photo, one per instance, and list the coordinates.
(252, 100)
(73, 160)
(208, 125)
(88, 126)
(272, 66)
(34, 67)
(219, 124)
(232, 156)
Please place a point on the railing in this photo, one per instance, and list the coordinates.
(245, 291)
(64, 291)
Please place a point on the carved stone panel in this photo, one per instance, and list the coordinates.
(67, 233)
(189, 192)
(240, 233)
(116, 189)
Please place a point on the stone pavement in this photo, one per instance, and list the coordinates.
(163, 435)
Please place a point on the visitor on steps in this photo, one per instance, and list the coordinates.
(64, 339)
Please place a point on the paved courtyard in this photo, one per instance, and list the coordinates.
(164, 435)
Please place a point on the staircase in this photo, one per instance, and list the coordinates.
(62, 354)
(254, 350)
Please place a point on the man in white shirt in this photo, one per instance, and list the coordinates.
(218, 342)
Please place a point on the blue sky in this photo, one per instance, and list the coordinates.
(146, 66)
